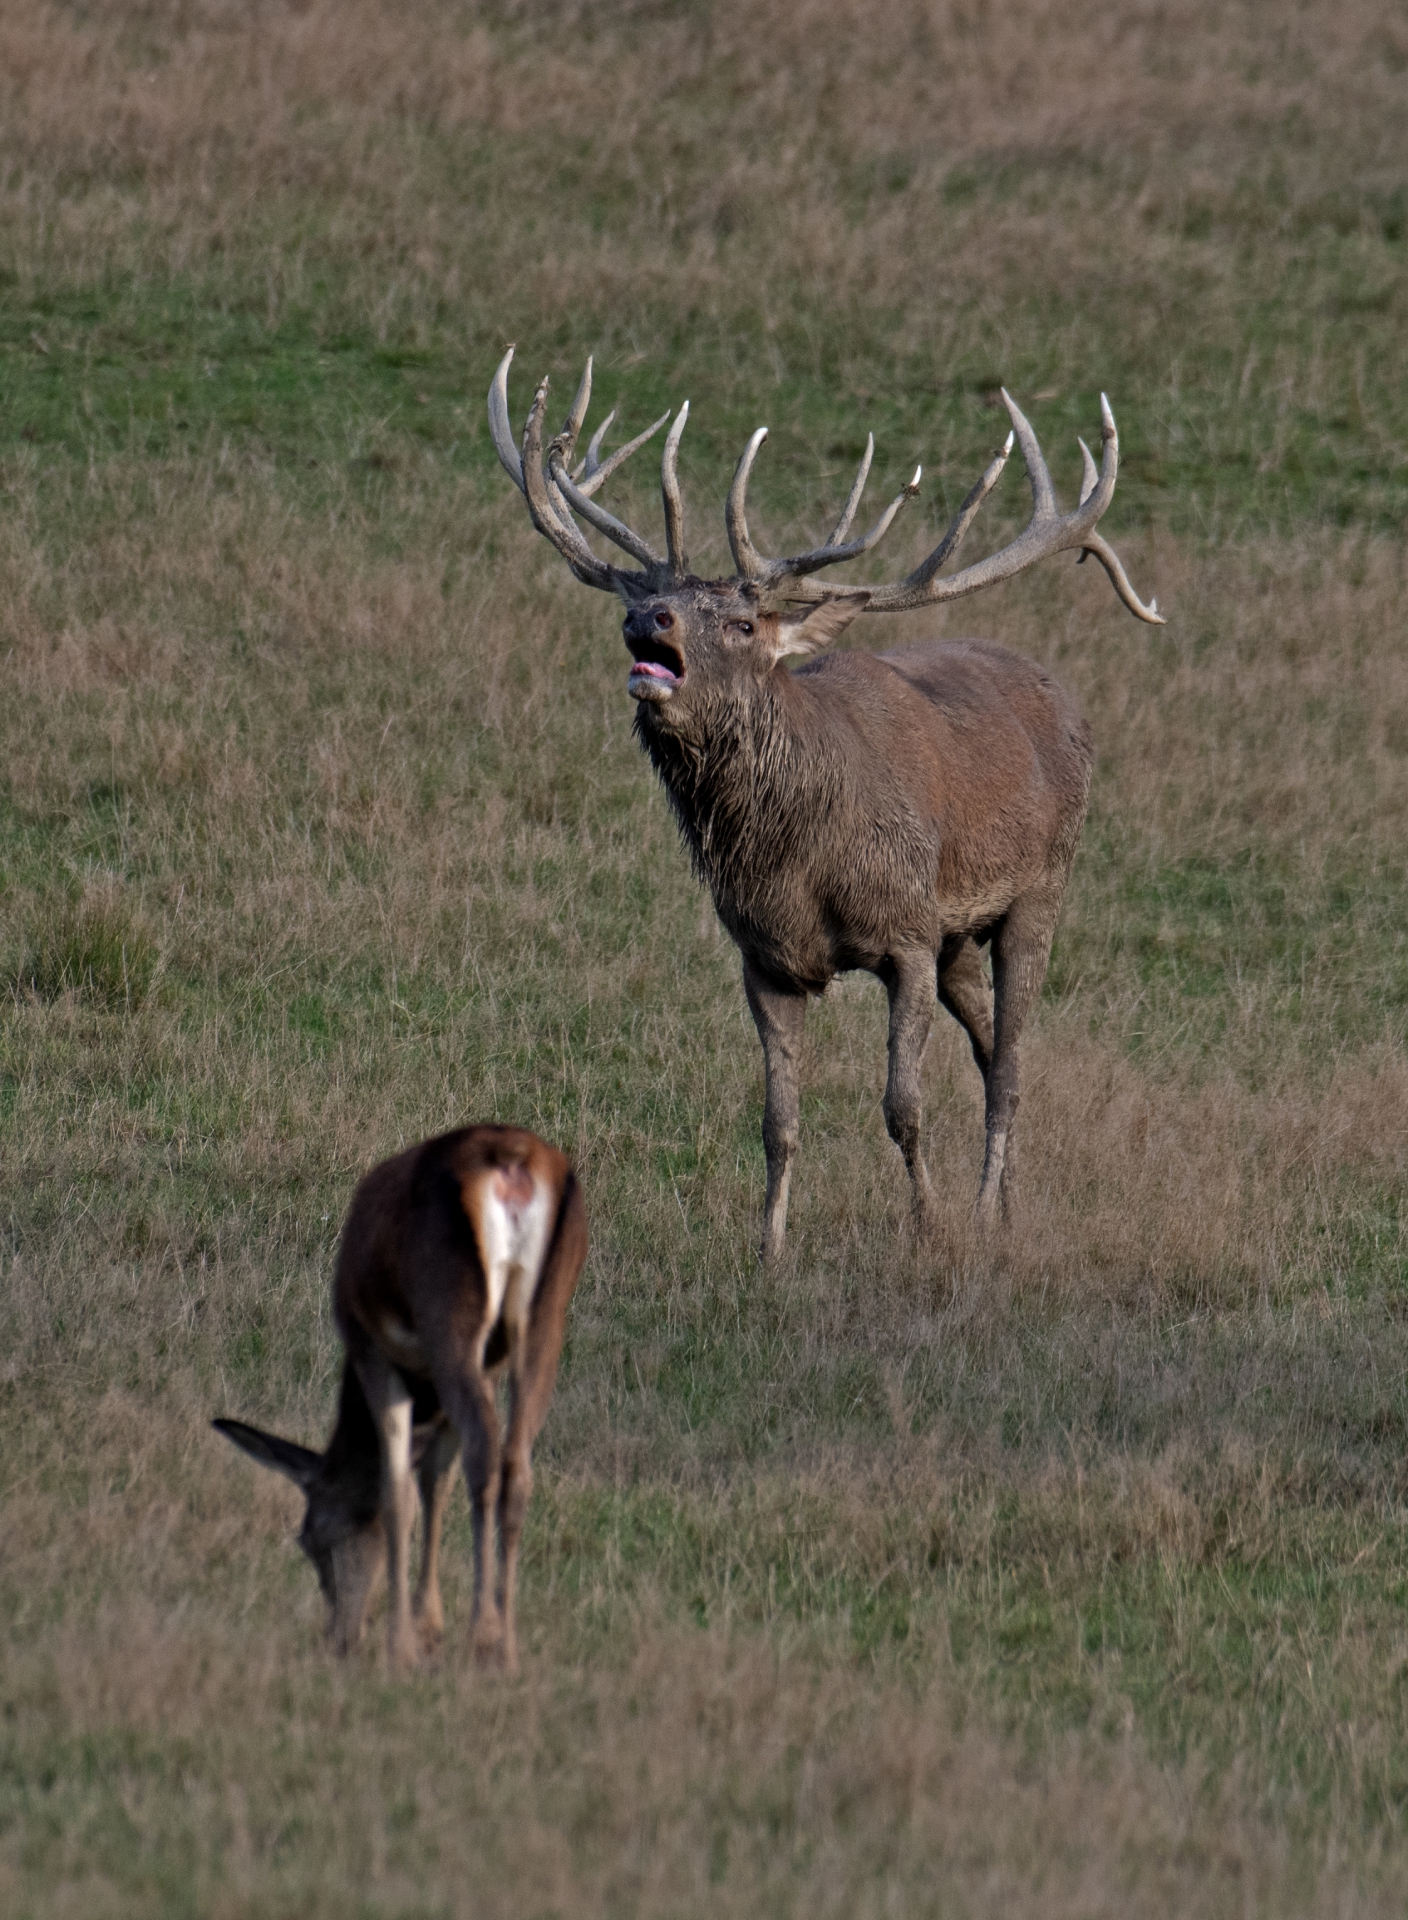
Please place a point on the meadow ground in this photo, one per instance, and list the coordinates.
(1066, 1576)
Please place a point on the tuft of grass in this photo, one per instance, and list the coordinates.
(90, 947)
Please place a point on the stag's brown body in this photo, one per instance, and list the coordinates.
(457, 1263)
(894, 813)
(866, 804)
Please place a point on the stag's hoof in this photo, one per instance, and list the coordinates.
(773, 1246)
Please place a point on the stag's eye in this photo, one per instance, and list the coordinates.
(745, 627)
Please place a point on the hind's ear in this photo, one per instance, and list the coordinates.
(818, 626)
(299, 1464)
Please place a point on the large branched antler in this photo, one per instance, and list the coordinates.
(1047, 532)
(554, 493)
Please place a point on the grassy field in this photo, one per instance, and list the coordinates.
(1064, 1576)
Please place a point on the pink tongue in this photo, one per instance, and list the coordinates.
(655, 671)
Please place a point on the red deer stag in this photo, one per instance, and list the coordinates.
(457, 1263)
(894, 813)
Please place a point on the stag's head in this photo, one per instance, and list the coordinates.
(693, 642)
(706, 642)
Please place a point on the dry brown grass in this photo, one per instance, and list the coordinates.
(703, 162)
(1209, 1164)
(703, 1772)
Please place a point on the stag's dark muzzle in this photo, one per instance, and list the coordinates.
(657, 662)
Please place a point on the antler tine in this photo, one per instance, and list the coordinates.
(829, 555)
(1089, 478)
(586, 468)
(581, 502)
(501, 427)
(553, 524)
(1119, 580)
(946, 548)
(1043, 493)
(595, 476)
(963, 519)
(670, 493)
(750, 563)
(848, 513)
(572, 425)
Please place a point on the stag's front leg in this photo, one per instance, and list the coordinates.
(390, 1403)
(910, 982)
(780, 1018)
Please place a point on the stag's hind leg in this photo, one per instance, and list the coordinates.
(1021, 947)
(964, 992)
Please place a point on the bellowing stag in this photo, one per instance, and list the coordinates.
(895, 813)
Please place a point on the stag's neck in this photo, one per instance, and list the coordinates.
(751, 785)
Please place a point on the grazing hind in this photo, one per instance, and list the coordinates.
(457, 1263)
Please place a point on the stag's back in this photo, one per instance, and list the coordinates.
(998, 707)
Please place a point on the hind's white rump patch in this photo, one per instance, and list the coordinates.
(515, 1218)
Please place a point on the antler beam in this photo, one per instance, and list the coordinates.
(1047, 532)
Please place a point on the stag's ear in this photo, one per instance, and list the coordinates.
(818, 626)
(299, 1464)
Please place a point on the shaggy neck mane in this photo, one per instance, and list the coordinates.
(749, 783)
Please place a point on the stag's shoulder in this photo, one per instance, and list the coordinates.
(856, 695)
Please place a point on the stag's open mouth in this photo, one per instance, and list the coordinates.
(657, 668)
